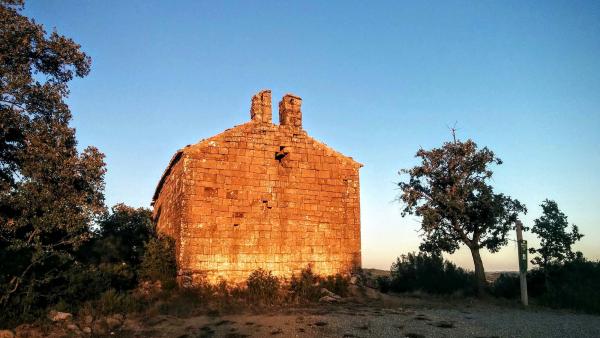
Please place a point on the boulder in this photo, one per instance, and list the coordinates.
(328, 293)
(27, 331)
(328, 299)
(88, 320)
(118, 317)
(57, 316)
(100, 328)
(131, 325)
(74, 328)
(6, 334)
(113, 322)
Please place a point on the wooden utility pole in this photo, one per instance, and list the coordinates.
(522, 245)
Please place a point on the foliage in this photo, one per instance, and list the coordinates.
(384, 283)
(262, 287)
(574, 285)
(158, 262)
(555, 241)
(571, 285)
(113, 301)
(449, 190)
(337, 284)
(506, 286)
(122, 235)
(431, 274)
(305, 287)
(39, 161)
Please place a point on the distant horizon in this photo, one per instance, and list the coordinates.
(378, 81)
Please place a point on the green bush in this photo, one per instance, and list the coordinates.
(383, 283)
(506, 286)
(430, 273)
(573, 285)
(158, 262)
(337, 284)
(262, 287)
(305, 288)
(113, 301)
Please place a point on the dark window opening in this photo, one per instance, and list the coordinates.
(210, 192)
(266, 202)
(279, 155)
(235, 224)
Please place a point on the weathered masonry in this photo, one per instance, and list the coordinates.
(261, 195)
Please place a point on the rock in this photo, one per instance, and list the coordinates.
(328, 299)
(363, 292)
(57, 316)
(87, 330)
(353, 280)
(88, 320)
(27, 331)
(328, 293)
(131, 325)
(118, 317)
(100, 327)
(6, 334)
(74, 328)
(113, 322)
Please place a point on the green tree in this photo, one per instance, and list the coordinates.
(449, 190)
(159, 262)
(122, 235)
(555, 241)
(50, 194)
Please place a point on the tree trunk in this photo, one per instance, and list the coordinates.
(479, 272)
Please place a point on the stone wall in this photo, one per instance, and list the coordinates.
(262, 195)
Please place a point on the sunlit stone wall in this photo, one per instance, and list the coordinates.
(261, 195)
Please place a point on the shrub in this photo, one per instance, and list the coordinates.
(184, 301)
(113, 301)
(305, 288)
(506, 286)
(158, 262)
(383, 283)
(262, 287)
(337, 284)
(431, 274)
(573, 285)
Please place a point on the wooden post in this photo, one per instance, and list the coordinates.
(522, 249)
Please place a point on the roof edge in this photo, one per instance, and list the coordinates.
(165, 174)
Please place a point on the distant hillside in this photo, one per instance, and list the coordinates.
(491, 276)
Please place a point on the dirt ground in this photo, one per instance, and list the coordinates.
(385, 316)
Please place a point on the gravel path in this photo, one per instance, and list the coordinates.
(391, 317)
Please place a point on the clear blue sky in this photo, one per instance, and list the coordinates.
(378, 80)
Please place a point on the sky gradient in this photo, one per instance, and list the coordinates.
(378, 81)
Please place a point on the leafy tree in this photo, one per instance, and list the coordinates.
(449, 190)
(121, 236)
(50, 194)
(555, 241)
(159, 262)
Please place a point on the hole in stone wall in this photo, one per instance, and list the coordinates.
(279, 155)
(266, 203)
(210, 192)
(232, 194)
(235, 224)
